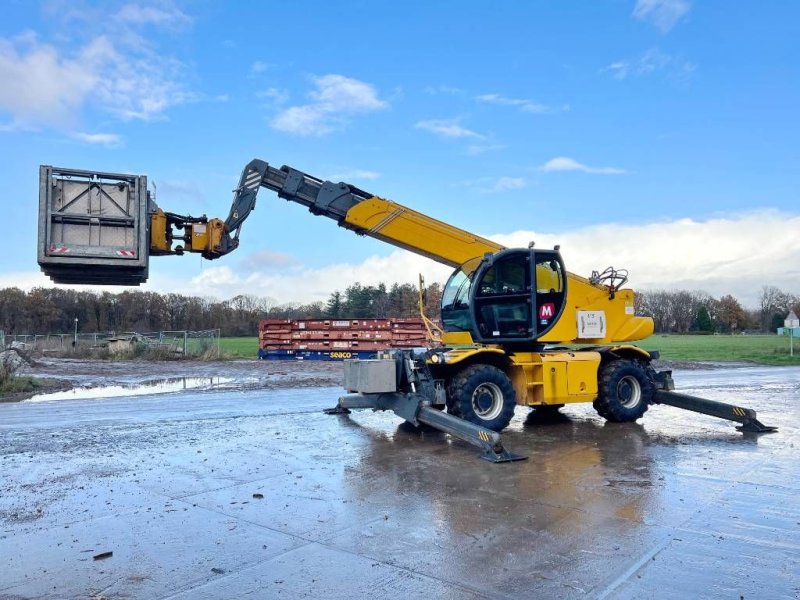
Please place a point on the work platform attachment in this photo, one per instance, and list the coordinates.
(403, 385)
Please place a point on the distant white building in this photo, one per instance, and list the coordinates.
(791, 322)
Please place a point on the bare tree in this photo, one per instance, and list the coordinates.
(774, 305)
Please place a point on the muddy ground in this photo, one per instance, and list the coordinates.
(62, 374)
(236, 485)
(248, 374)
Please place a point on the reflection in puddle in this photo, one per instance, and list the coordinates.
(156, 386)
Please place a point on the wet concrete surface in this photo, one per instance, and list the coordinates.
(236, 491)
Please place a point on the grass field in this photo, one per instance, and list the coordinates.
(239, 347)
(761, 349)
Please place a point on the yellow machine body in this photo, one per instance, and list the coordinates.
(548, 377)
(539, 377)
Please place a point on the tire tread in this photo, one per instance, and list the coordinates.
(607, 404)
(460, 395)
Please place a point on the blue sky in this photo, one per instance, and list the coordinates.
(657, 135)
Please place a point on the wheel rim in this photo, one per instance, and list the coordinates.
(629, 391)
(487, 401)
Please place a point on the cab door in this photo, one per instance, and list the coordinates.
(550, 291)
(518, 295)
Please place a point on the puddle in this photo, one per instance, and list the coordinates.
(156, 386)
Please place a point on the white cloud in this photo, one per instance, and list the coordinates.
(334, 101)
(619, 69)
(443, 89)
(110, 140)
(523, 104)
(268, 259)
(164, 15)
(354, 175)
(24, 280)
(140, 87)
(728, 255)
(565, 163)
(37, 85)
(301, 285)
(43, 85)
(504, 184)
(304, 120)
(651, 61)
(273, 95)
(664, 14)
(476, 149)
(259, 67)
(338, 93)
(449, 128)
(491, 185)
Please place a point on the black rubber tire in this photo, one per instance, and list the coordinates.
(624, 391)
(452, 406)
(482, 394)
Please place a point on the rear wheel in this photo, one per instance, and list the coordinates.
(482, 394)
(624, 391)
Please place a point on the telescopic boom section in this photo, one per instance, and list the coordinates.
(360, 211)
(367, 214)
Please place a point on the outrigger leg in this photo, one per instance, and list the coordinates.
(745, 416)
(414, 409)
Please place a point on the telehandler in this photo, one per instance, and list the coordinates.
(517, 327)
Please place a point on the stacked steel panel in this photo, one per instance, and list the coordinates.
(337, 339)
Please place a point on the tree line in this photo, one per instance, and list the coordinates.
(685, 311)
(54, 310)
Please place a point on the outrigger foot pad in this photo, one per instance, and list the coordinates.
(756, 426)
(501, 455)
(337, 410)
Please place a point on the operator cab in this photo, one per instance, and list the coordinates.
(512, 296)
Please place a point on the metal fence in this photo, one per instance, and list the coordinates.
(186, 343)
(59, 341)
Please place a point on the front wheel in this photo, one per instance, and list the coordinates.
(483, 394)
(624, 391)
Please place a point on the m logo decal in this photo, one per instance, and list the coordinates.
(547, 311)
